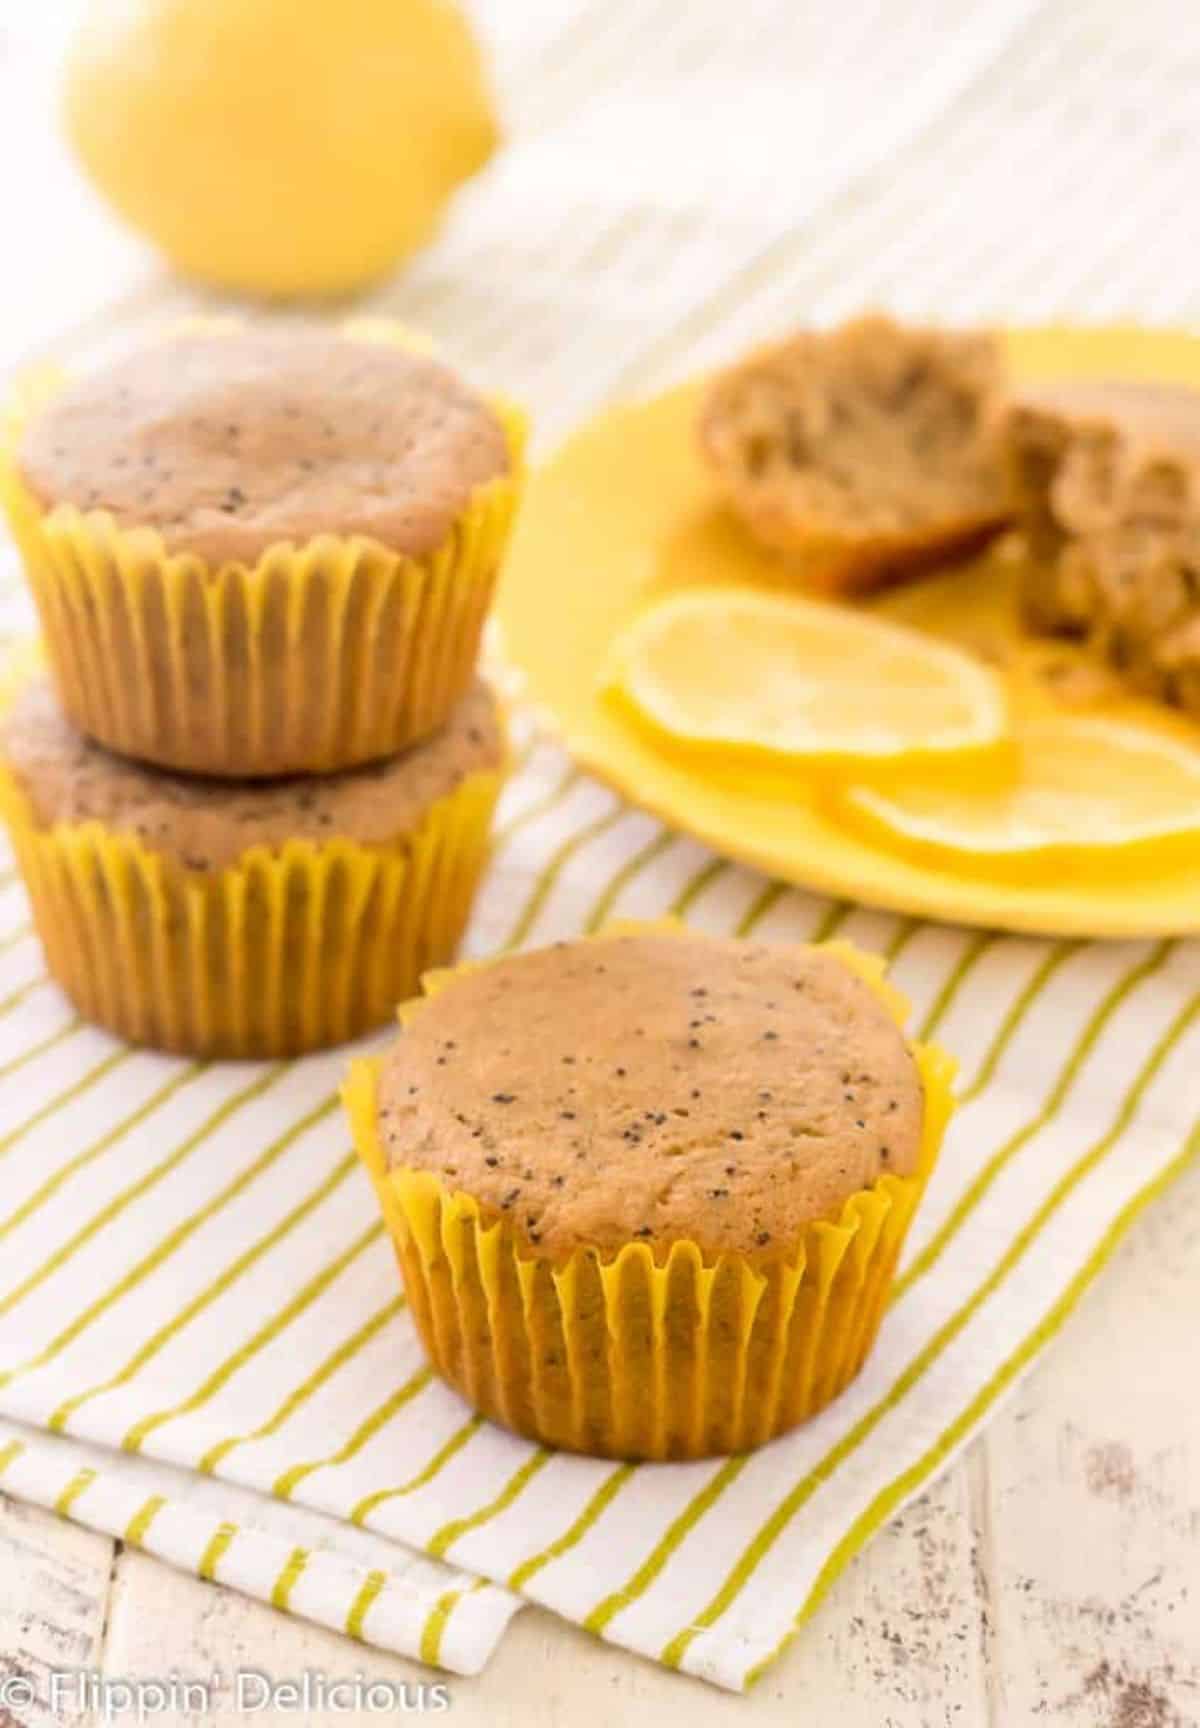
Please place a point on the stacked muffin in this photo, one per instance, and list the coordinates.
(255, 804)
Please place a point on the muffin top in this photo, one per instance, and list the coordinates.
(228, 442)
(206, 824)
(652, 1086)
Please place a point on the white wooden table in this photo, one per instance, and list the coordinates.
(1054, 1573)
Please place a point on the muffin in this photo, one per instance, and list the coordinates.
(648, 1189)
(863, 454)
(263, 551)
(246, 918)
(1109, 483)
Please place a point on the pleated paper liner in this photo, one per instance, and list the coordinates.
(633, 1356)
(319, 657)
(283, 952)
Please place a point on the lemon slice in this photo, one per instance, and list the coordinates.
(731, 669)
(1086, 792)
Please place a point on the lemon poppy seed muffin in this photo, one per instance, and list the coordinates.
(263, 551)
(863, 454)
(648, 1188)
(246, 918)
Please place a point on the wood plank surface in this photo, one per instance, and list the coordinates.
(55, 1584)
(1093, 1486)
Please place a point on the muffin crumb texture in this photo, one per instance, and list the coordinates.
(1111, 507)
(866, 451)
(655, 1088)
(230, 443)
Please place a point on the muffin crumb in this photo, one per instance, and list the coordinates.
(864, 453)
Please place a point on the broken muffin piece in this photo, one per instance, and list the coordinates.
(1069, 448)
(864, 454)
(1111, 514)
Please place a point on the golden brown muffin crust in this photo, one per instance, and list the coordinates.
(229, 442)
(207, 824)
(864, 452)
(654, 1087)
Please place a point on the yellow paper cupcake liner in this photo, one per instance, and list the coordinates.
(318, 657)
(638, 1357)
(285, 951)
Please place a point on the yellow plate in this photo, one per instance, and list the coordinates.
(625, 510)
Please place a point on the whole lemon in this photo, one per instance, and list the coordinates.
(279, 147)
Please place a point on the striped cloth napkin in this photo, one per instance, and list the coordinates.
(196, 1299)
